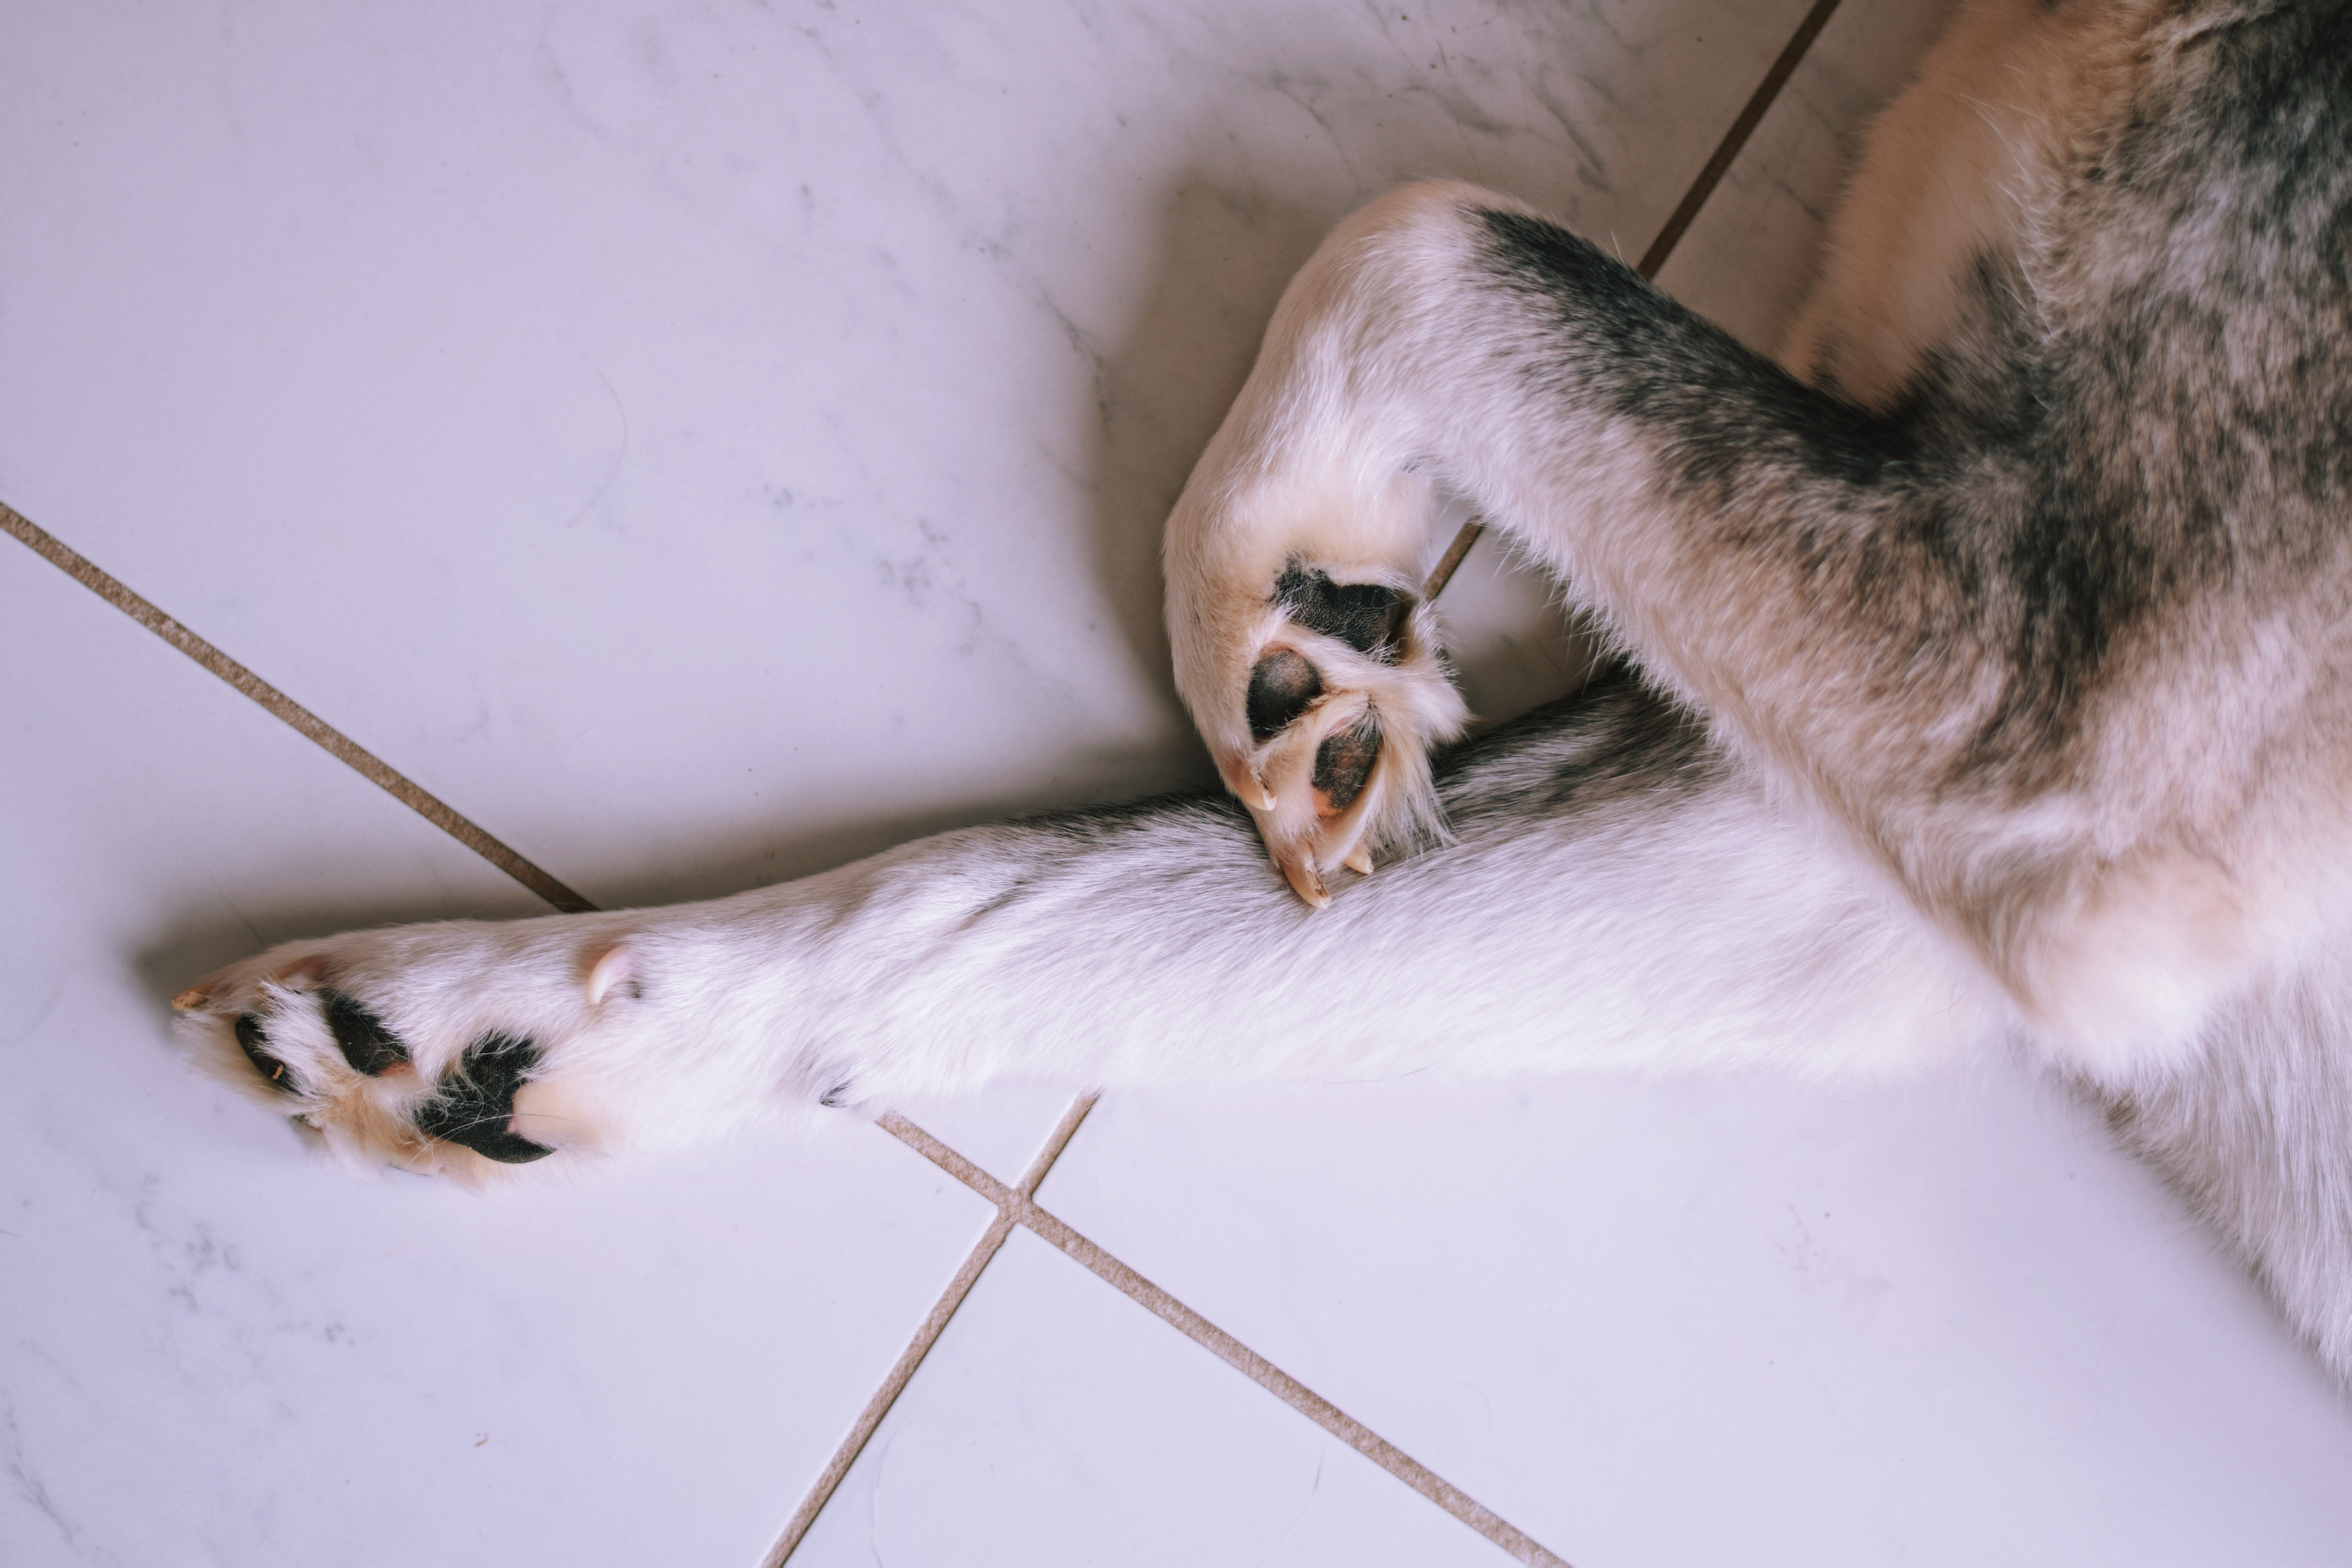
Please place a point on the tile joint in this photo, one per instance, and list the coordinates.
(300, 720)
(1016, 1205)
(934, 1322)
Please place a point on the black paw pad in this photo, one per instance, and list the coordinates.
(476, 1102)
(366, 1044)
(1280, 688)
(1344, 761)
(256, 1047)
(1368, 616)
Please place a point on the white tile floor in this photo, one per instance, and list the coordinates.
(703, 444)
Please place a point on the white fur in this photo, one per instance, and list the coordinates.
(1721, 932)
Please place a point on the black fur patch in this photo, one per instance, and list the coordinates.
(1617, 342)
(1344, 761)
(366, 1044)
(476, 1102)
(1614, 741)
(1368, 616)
(1280, 688)
(255, 1045)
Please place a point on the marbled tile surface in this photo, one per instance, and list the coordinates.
(1743, 1320)
(706, 443)
(1058, 1423)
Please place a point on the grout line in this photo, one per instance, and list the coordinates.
(829, 1480)
(342, 747)
(1055, 1141)
(1685, 213)
(1015, 1205)
(893, 1384)
(1293, 1392)
(1451, 561)
(957, 1165)
(1654, 260)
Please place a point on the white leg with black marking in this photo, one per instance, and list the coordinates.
(1687, 922)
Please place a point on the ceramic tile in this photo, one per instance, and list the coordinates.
(214, 1346)
(1058, 1423)
(708, 444)
(1742, 1319)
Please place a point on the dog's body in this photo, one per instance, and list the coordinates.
(1996, 685)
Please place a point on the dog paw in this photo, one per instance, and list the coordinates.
(454, 1049)
(1343, 697)
(1302, 642)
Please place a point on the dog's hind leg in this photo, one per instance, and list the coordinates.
(1952, 172)
(2256, 1135)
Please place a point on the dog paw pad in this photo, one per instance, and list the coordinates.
(360, 1035)
(1345, 694)
(1281, 685)
(474, 1107)
(1371, 617)
(255, 1043)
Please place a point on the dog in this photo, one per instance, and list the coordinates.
(1979, 678)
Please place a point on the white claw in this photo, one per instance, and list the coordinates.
(618, 965)
(1307, 883)
(1359, 860)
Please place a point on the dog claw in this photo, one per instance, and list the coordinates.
(1307, 883)
(1247, 788)
(1359, 860)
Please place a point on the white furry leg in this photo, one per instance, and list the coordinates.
(1618, 895)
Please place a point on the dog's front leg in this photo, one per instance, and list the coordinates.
(1741, 534)
(1618, 894)
(1863, 608)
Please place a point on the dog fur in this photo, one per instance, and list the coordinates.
(1980, 675)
